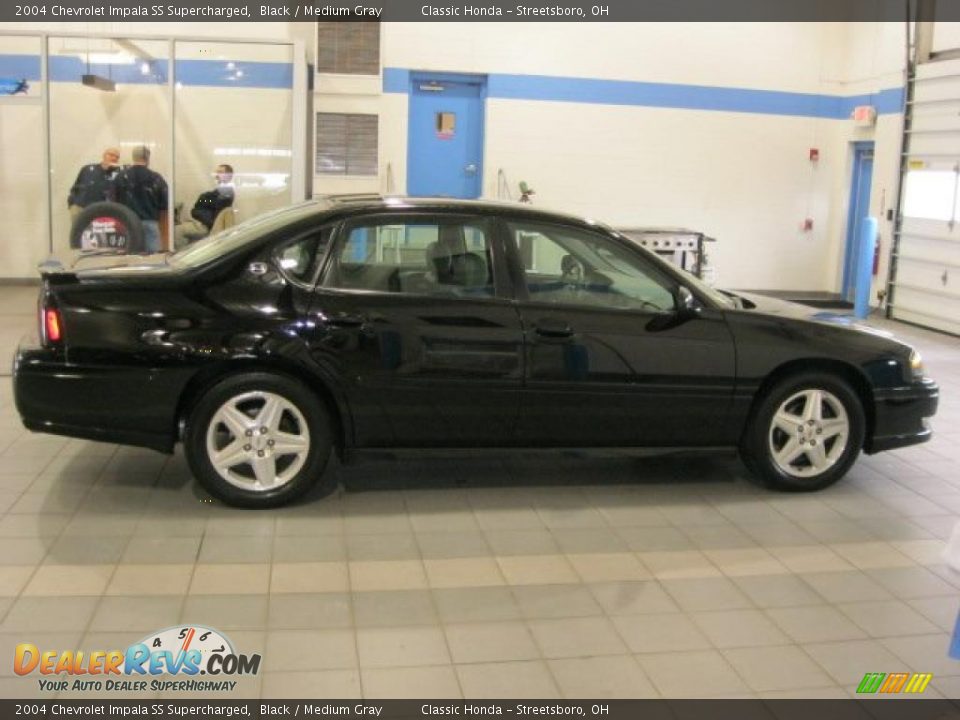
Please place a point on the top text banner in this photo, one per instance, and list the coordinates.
(29, 11)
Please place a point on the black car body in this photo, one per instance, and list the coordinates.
(440, 323)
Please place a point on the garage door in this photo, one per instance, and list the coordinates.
(926, 283)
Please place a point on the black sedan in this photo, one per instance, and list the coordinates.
(366, 322)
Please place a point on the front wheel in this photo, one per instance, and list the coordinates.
(258, 440)
(805, 433)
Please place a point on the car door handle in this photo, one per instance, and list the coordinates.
(345, 320)
(553, 329)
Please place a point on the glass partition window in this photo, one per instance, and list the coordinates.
(233, 137)
(23, 189)
(109, 111)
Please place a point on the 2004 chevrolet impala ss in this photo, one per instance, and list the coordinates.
(367, 322)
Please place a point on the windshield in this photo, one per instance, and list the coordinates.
(214, 246)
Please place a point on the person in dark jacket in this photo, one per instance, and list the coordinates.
(206, 209)
(145, 192)
(94, 182)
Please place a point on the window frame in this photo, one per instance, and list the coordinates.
(502, 285)
(519, 274)
(278, 247)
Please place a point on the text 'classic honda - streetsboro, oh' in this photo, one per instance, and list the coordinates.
(360, 322)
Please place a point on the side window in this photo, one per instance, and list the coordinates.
(440, 256)
(300, 259)
(569, 266)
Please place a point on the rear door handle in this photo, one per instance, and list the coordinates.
(345, 320)
(553, 328)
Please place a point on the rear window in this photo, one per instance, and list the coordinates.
(215, 246)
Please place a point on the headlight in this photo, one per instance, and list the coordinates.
(916, 365)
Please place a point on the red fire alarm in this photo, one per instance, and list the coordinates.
(814, 154)
(808, 224)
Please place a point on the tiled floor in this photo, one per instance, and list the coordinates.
(554, 575)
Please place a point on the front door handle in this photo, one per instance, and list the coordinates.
(551, 328)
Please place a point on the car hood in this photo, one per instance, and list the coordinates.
(783, 308)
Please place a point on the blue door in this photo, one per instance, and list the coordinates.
(445, 142)
(859, 210)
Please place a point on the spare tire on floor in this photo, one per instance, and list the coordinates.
(107, 226)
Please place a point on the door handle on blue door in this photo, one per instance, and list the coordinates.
(553, 328)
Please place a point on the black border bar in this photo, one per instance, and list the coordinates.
(30, 11)
(879, 709)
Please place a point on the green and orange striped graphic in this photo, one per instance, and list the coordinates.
(902, 682)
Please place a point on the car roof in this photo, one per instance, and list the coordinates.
(363, 202)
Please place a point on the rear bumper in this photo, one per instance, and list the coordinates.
(901, 416)
(109, 404)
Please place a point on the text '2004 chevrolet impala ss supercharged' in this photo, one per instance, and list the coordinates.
(361, 322)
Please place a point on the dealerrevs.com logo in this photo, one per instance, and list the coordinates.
(184, 652)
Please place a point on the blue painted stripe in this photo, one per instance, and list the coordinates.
(201, 73)
(666, 95)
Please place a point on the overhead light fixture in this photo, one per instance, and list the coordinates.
(99, 82)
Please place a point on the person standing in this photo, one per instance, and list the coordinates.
(206, 209)
(145, 192)
(94, 182)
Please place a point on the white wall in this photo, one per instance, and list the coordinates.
(742, 177)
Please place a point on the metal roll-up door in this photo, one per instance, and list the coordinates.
(925, 285)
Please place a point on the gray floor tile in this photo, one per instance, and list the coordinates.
(739, 628)
(134, 613)
(49, 614)
(441, 545)
(298, 650)
(777, 668)
(912, 582)
(815, 624)
(553, 601)
(697, 594)
(659, 633)
(226, 612)
(161, 550)
(886, 618)
(607, 677)
(377, 546)
(475, 604)
(702, 674)
(630, 598)
(393, 607)
(490, 642)
(773, 591)
(402, 646)
(845, 586)
(232, 549)
(527, 541)
(576, 637)
(522, 679)
(847, 661)
(308, 548)
(309, 610)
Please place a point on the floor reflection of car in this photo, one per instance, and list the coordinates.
(366, 322)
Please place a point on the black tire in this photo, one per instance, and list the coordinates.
(309, 475)
(130, 220)
(760, 434)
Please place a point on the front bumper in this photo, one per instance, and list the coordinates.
(108, 404)
(901, 416)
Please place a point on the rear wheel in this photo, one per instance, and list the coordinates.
(259, 440)
(805, 433)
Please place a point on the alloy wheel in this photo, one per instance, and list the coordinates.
(808, 433)
(258, 441)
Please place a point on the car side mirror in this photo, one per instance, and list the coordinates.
(686, 302)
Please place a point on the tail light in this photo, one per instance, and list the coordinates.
(52, 327)
(51, 321)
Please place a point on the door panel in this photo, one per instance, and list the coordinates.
(609, 361)
(622, 378)
(430, 354)
(445, 144)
